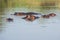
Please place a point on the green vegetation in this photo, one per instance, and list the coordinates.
(30, 4)
(24, 3)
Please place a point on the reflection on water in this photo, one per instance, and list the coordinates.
(19, 29)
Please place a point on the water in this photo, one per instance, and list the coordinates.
(40, 29)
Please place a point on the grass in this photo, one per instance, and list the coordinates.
(31, 4)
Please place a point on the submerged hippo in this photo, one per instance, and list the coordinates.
(45, 16)
(30, 17)
(19, 14)
(9, 19)
(27, 13)
(52, 14)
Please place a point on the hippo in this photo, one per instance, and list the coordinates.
(19, 14)
(30, 17)
(9, 19)
(52, 14)
(45, 16)
(27, 13)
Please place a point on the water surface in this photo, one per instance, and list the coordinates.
(40, 29)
